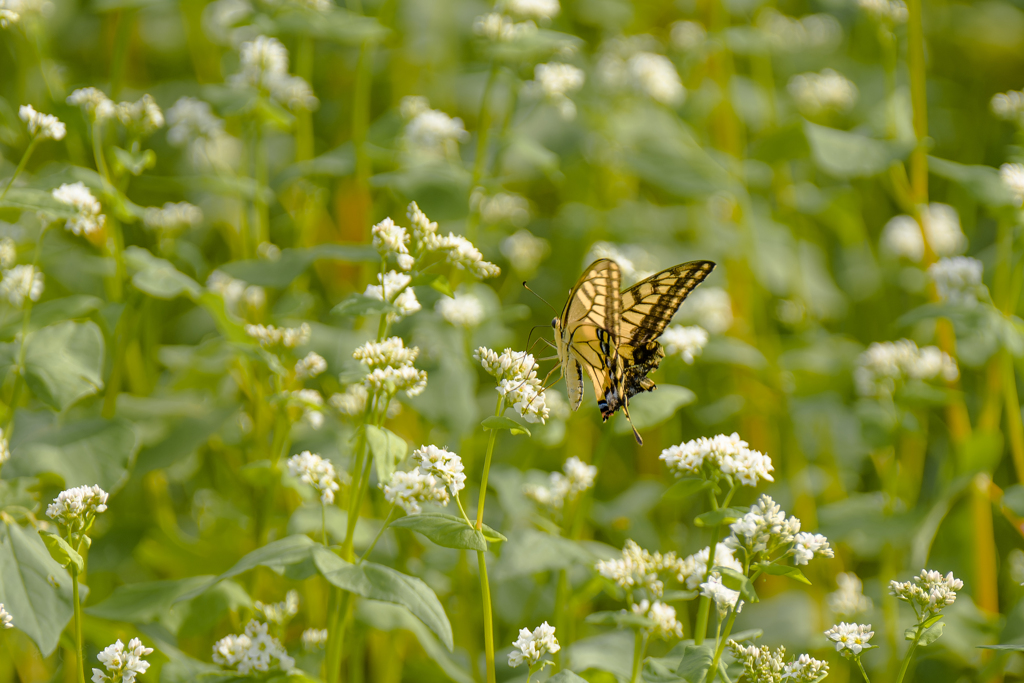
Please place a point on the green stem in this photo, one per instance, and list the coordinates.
(909, 657)
(700, 630)
(484, 124)
(561, 616)
(862, 671)
(260, 175)
(124, 20)
(304, 117)
(639, 644)
(713, 669)
(919, 101)
(485, 591)
(21, 165)
(80, 665)
(383, 528)
(323, 522)
(487, 467)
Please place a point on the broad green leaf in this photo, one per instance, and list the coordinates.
(983, 182)
(388, 450)
(721, 516)
(33, 199)
(52, 312)
(337, 25)
(158, 277)
(530, 551)
(144, 603)
(449, 531)
(611, 651)
(930, 635)
(785, 570)
(276, 555)
(64, 363)
(850, 155)
(686, 487)
(566, 676)
(134, 163)
(651, 409)
(34, 589)
(1008, 647)
(337, 163)
(496, 422)
(378, 582)
(695, 663)
(61, 551)
(737, 581)
(280, 272)
(434, 280)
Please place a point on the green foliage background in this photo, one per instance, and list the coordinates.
(141, 381)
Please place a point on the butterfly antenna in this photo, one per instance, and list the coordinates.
(539, 296)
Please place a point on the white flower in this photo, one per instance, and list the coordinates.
(517, 381)
(394, 289)
(687, 342)
(656, 76)
(465, 256)
(500, 208)
(255, 650)
(312, 404)
(412, 106)
(8, 253)
(464, 310)
(143, 115)
(688, 35)
(313, 638)
(888, 11)
(533, 9)
(6, 620)
(190, 118)
(1012, 176)
(577, 478)
(942, 229)
(390, 352)
(1009, 106)
(530, 647)
(848, 599)
(235, 292)
(433, 132)
(46, 126)
(666, 625)
(695, 567)
(850, 639)
(902, 237)
(390, 380)
(764, 527)
(389, 238)
(818, 93)
(316, 471)
(524, 251)
(89, 220)
(928, 593)
(958, 280)
(353, 402)
(709, 307)
(806, 546)
(312, 365)
(442, 464)
(760, 665)
(638, 568)
(230, 650)
(279, 612)
(123, 665)
(502, 29)
(288, 337)
(805, 669)
(5, 449)
(884, 365)
(557, 81)
(408, 490)
(77, 507)
(264, 63)
(729, 455)
(724, 598)
(94, 102)
(173, 216)
(20, 283)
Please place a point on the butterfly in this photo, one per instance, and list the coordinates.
(614, 334)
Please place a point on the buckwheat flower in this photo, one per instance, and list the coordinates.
(1009, 106)
(532, 9)
(530, 647)
(94, 102)
(293, 92)
(20, 283)
(279, 612)
(902, 237)
(928, 593)
(433, 132)
(850, 639)
(1012, 176)
(173, 216)
(958, 280)
(425, 237)
(638, 568)
(557, 81)
(501, 28)
(614, 252)
(577, 478)
(269, 336)
(500, 208)
(819, 93)
(695, 567)
(312, 404)
(352, 402)
(143, 116)
(805, 669)
(806, 546)
(389, 380)
(77, 507)
(688, 35)
(389, 238)
(255, 650)
(665, 624)
(89, 220)
(445, 466)
(408, 490)
(390, 352)
(886, 11)
(5, 448)
(229, 651)
(710, 458)
(464, 256)
(517, 379)
(412, 106)
(8, 253)
(189, 118)
(709, 307)
(724, 598)
(765, 527)
(524, 251)
(231, 290)
(8, 17)
(942, 229)
(760, 664)
(314, 639)
(655, 76)
(849, 599)
(311, 365)
(6, 620)
(316, 471)
(122, 665)
(44, 126)
(262, 60)
(686, 342)
(394, 288)
(464, 310)
(886, 365)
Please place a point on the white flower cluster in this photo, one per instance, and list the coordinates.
(6, 620)
(142, 116)
(76, 508)
(314, 638)
(902, 236)
(89, 219)
(408, 490)
(312, 404)
(316, 471)
(724, 597)
(886, 11)
(390, 367)
(254, 650)
(1009, 106)
(5, 448)
(694, 569)
(530, 647)
(462, 310)
(848, 599)
(627, 262)
(531, 9)
(172, 216)
(686, 342)
(850, 639)
(654, 75)
(556, 81)
(394, 288)
(235, 292)
(502, 207)
(688, 35)
(193, 124)
(638, 568)
(94, 102)
(789, 34)
(577, 478)
(279, 613)
(517, 381)
(928, 593)
(710, 458)
(500, 28)
(524, 251)
(12, 11)
(389, 238)
(20, 283)
(820, 93)
(8, 252)
(264, 63)
(44, 126)
(710, 307)
(289, 337)
(1012, 176)
(665, 624)
(442, 464)
(311, 365)
(958, 280)
(353, 402)
(761, 665)
(431, 132)
(885, 364)
(123, 665)
(765, 528)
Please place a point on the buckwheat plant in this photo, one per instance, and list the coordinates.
(928, 594)
(254, 651)
(763, 665)
(530, 648)
(852, 640)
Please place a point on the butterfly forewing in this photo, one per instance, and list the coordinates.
(648, 306)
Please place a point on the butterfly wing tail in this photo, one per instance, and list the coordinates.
(636, 434)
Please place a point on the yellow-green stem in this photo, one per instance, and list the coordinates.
(1014, 425)
(487, 467)
(862, 671)
(918, 100)
(260, 174)
(80, 664)
(909, 657)
(700, 630)
(638, 655)
(21, 165)
(383, 528)
(485, 590)
(713, 669)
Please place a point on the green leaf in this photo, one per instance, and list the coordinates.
(696, 662)
(146, 602)
(501, 422)
(158, 277)
(61, 551)
(785, 570)
(378, 582)
(276, 555)
(717, 517)
(280, 272)
(850, 155)
(531, 551)
(449, 531)
(982, 182)
(435, 280)
(134, 163)
(360, 304)
(337, 25)
(566, 676)
(933, 633)
(653, 408)
(686, 487)
(737, 581)
(388, 449)
(64, 363)
(34, 588)
(32, 199)
(1019, 647)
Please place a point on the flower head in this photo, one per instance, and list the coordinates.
(655, 76)
(122, 664)
(76, 508)
(942, 229)
(902, 237)
(517, 381)
(316, 471)
(577, 478)
(694, 568)
(314, 638)
(269, 336)
(142, 116)
(279, 612)
(762, 665)
(709, 307)
(524, 251)
(394, 288)
(5, 448)
(806, 546)
(312, 404)
(638, 568)
(464, 256)
(408, 490)
(462, 310)
(20, 283)
(766, 528)
(89, 219)
(664, 625)
(530, 647)
(501, 28)
(724, 598)
(310, 365)
(254, 650)
(958, 280)
(173, 216)
(850, 639)
(6, 620)
(885, 11)
(1012, 176)
(686, 342)
(928, 593)
(442, 464)
(8, 253)
(45, 126)
(885, 365)
(557, 81)
(433, 133)
(849, 599)
(94, 102)
(717, 456)
(819, 93)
